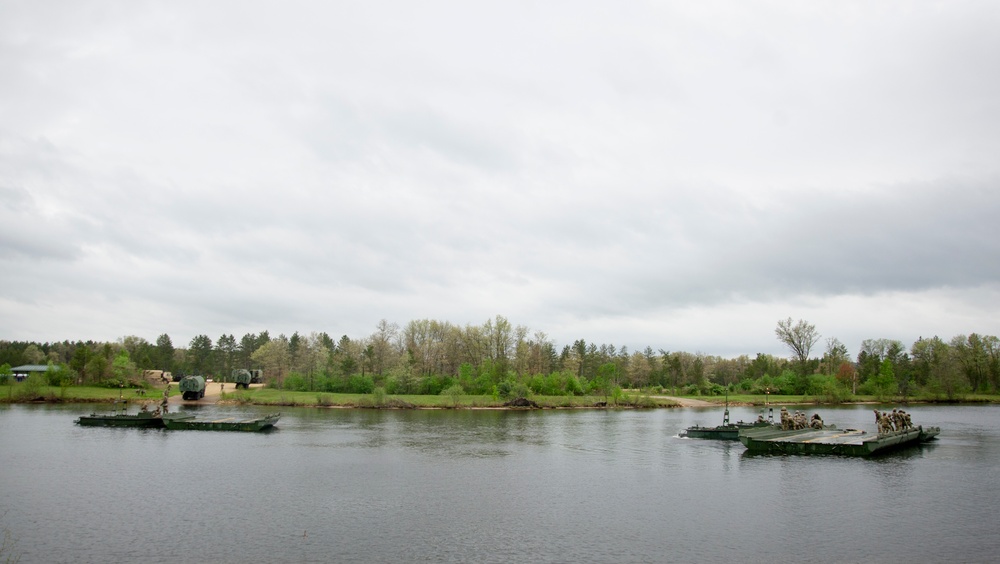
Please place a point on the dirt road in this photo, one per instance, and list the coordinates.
(212, 394)
(687, 402)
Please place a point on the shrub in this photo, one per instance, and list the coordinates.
(617, 395)
(573, 386)
(242, 397)
(359, 384)
(31, 388)
(715, 390)
(454, 394)
(378, 396)
(510, 389)
(295, 382)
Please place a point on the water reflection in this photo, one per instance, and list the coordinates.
(489, 486)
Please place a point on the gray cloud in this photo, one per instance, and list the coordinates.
(679, 176)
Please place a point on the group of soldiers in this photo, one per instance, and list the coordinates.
(898, 420)
(162, 410)
(798, 420)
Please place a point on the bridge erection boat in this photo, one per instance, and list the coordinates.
(120, 417)
(727, 431)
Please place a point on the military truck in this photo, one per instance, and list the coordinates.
(192, 387)
(244, 377)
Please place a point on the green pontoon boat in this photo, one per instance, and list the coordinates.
(119, 417)
(728, 431)
(226, 424)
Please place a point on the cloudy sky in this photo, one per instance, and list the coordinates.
(679, 175)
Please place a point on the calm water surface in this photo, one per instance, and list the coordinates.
(490, 486)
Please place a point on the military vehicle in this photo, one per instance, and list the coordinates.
(192, 387)
(244, 377)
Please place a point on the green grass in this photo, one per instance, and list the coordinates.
(15, 392)
(267, 396)
(776, 399)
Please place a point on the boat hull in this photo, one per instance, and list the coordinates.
(138, 420)
(849, 442)
(729, 432)
(228, 424)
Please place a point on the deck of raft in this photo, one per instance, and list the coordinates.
(822, 436)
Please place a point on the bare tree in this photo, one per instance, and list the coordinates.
(799, 338)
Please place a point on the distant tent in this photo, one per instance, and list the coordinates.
(22, 372)
(29, 368)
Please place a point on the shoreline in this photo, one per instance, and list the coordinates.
(397, 406)
(276, 398)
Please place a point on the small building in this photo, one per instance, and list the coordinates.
(25, 370)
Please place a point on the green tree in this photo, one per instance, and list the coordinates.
(971, 354)
(386, 347)
(225, 355)
(884, 386)
(991, 345)
(606, 380)
(79, 362)
(200, 354)
(293, 349)
(274, 358)
(123, 369)
(33, 355)
(347, 355)
(500, 341)
(139, 350)
(164, 353)
(247, 346)
(835, 355)
(98, 368)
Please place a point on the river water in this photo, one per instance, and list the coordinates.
(335, 485)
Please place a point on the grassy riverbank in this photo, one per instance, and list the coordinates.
(267, 396)
(23, 393)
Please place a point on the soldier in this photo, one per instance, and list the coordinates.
(880, 422)
(166, 394)
(816, 422)
(907, 423)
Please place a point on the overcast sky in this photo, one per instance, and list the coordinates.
(679, 175)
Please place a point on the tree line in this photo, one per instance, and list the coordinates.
(497, 357)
